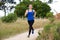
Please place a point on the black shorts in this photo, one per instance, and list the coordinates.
(30, 22)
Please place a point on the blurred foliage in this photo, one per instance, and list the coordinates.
(49, 14)
(1, 3)
(50, 1)
(50, 32)
(41, 8)
(10, 18)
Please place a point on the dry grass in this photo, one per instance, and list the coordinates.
(9, 29)
(40, 23)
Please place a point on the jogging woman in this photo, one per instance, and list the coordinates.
(30, 13)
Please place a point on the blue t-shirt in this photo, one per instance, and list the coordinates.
(30, 15)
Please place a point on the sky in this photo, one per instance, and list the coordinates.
(55, 7)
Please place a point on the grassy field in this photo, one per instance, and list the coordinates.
(21, 25)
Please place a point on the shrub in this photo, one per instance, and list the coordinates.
(0, 36)
(58, 28)
(10, 18)
(57, 32)
(51, 19)
(47, 27)
(1, 3)
(50, 32)
(49, 14)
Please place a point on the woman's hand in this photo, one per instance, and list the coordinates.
(26, 12)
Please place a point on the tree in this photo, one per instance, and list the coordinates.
(1, 3)
(33, 0)
(50, 1)
(3, 7)
(26, 0)
(20, 0)
(41, 8)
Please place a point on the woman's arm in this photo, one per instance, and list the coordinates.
(34, 13)
(26, 12)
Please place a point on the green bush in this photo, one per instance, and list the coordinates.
(51, 19)
(1, 3)
(50, 32)
(0, 36)
(10, 18)
(58, 29)
(57, 32)
(41, 8)
(47, 27)
(49, 14)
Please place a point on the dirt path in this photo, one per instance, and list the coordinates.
(23, 36)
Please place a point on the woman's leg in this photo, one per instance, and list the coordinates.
(30, 26)
(29, 22)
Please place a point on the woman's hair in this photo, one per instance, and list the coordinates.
(28, 5)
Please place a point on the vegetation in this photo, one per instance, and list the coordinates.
(10, 18)
(50, 16)
(50, 1)
(1, 3)
(41, 8)
(51, 32)
(10, 29)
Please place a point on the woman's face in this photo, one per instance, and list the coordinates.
(30, 6)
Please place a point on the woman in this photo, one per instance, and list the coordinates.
(30, 13)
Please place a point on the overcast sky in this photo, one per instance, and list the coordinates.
(54, 6)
